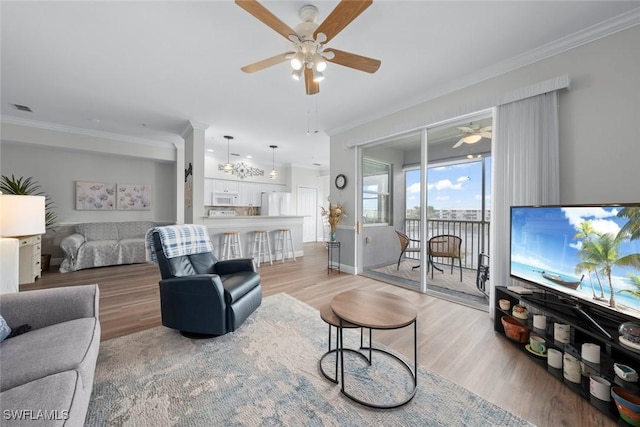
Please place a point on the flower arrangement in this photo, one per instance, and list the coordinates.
(335, 214)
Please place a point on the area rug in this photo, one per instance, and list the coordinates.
(442, 280)
(264, 374)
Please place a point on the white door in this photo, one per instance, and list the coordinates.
(308, 208)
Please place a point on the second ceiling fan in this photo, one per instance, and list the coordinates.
(309, 55)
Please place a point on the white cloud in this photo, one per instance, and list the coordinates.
(414, 188)
(463, 179)
(445, 184)
(443, 198)
(596, 216)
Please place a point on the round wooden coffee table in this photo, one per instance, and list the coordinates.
(377, 310)
(332, 320)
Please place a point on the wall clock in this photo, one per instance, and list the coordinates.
(341, 181)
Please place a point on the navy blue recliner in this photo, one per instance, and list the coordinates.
(199, 295)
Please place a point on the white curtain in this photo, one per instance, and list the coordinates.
(525, 169)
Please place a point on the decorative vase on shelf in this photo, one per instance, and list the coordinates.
(333, 236)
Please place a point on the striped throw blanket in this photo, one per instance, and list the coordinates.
(179, 240)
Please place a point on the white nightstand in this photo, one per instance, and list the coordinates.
(29, 258)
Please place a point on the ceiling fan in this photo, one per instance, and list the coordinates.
(472, 134)
(309, 53)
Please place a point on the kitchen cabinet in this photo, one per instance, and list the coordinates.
(225, 186)
(249, 194)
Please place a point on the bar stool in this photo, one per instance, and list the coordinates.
(260, 238)
(284, 244)
(231, 246)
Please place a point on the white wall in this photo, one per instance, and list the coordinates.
(599, 118)
(57, 171)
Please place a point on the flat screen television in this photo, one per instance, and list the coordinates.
(587, 253)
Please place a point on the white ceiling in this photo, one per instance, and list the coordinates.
(144, 69)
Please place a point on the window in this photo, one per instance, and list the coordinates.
(459, 190)
(375, 192)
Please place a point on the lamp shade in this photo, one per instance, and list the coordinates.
(22, 215)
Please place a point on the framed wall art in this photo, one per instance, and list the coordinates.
(95, 196)
(134, 197)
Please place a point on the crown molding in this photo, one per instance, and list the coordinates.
(81, 131)
(587, 35)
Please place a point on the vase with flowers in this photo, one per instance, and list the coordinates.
(334, 215)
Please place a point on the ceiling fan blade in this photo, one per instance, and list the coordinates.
(459, 143)
(266, 17)
(486, 135)
(466, 129)
(310, 86)
(486, 129)
(351, 60)
(265, 63)
(345, 12)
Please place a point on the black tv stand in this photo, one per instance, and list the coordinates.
(589, 324)
(578, 308)
(564, 303)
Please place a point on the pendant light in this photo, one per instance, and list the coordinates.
(273, 174)
(227, 167)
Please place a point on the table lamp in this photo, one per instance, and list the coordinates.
(19, 216)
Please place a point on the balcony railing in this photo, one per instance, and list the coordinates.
(474, 235)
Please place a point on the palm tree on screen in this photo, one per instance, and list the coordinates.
(585, 231)
(632, 228)
(603, 253)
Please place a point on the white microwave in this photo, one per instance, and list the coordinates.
(225, 199)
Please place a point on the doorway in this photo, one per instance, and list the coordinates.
(453, 197)
(308, 208)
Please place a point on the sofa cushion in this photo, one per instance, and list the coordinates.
(54, 393)
(133, 229)
(97, 254)
(46, 351)
(98, 231)
(131, 251)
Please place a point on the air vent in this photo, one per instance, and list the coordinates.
(22, 108)
(317, 164)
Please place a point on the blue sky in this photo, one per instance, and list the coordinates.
(450, 187)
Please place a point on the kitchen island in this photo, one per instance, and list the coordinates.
(246, 225)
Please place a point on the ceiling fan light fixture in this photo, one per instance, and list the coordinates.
(319, 63)
(472, 139)
(297, 61)
(317, 76)
(296, 74)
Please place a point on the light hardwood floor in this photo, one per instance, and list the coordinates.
(455, 341)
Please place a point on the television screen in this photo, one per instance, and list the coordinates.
(586, 252)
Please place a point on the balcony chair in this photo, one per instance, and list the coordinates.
(482, 276)
(404, 247)
(199, 295)
(445, 246)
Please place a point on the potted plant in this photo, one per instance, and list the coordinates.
(29, 187)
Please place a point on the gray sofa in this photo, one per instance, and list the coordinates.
(48, 371)
(99, 244)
